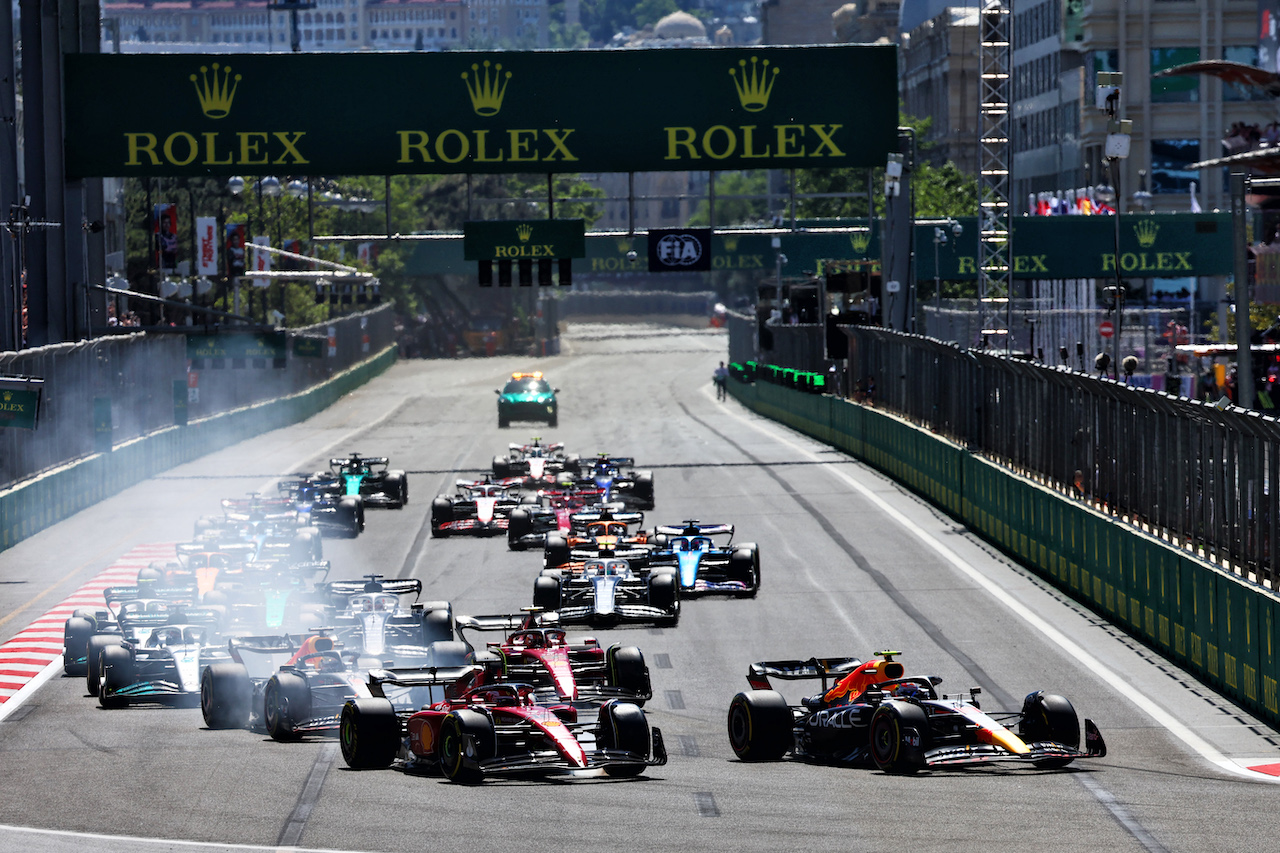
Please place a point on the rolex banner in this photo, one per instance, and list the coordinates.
(20, 401)
(674, 109)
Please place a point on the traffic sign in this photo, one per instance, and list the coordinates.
(1106, 329)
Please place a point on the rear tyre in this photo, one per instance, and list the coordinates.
(643, 490)
(286, 705)
(466, 737)
(75, 639)
(546, 593)
(225, 696)
(899, 737)
(501, 467)
(760, 726)
(369, 733)
(518, 524)
(437, 626)
(555, 551)
(1046, 716)
(627, 671)
(623, 727)
(117, 674)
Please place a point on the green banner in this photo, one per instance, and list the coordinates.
(537, 239)
(266, 345)
(19, 404)
(304, 347)
(673, 109)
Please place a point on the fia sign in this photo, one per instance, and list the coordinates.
(679, 250)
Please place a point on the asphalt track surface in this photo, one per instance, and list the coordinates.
(851, 563)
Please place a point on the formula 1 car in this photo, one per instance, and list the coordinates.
(597, 534)
(330, 513)
(538, 653)
(534, 463)
(259, 526)
(875, 713)
(702, 565)
(493, 729)
(296, 685)
(530, 523)
(162, 663)
(617, 477)
(606, 592)
(480, 507)
(368, 477)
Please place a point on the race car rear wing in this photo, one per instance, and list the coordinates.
(357, 459)
(827, 669)
(459, 677)
(693, 528)
(394, 587)
(532, 618)
(608, 514)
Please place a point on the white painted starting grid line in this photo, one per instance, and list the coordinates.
(37, 648)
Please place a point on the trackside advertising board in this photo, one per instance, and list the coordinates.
(673, 109)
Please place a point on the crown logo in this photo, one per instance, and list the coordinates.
(1146, 232)
(8, 395)
(731, 243)
(217, 93)
(524, 232)
(487, 91)
(860, 240)
(755, 86)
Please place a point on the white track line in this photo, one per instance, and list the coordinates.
(1088, 661)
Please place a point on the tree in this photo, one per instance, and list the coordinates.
(736, 211)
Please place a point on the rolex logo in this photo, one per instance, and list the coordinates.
(1146, 232)
(731, 243)
(754, 86)
(860, 240)
(8, 395)
(488, 90)
(524, 232)
(216, 90)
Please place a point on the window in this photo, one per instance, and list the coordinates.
(1171, 160)
(1181, 89)
(1247, 55)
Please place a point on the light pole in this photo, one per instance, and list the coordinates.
(1107, 98)
(939, 238)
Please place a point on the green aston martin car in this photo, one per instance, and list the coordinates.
(527, 397)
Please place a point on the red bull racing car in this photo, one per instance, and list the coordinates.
(874, 713)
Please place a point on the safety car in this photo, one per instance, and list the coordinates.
(526, 396)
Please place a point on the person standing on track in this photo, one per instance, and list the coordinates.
(721, 378)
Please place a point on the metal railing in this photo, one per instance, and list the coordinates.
(1202, 477)
(137, 373)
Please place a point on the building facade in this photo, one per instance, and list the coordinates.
(939, 62)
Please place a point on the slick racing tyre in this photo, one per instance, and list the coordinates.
(117, 674)
(626, 669)
(398, 488)
(760, 726)
(899, 737)
(225, 696)
(466, 737)
(349, 514)
(286, 705)
(744, 566)
(501, 467)
(555, 551)
(437, 626)
(441, 513)
(369, 733)
(518, 524)
(93, 659)
(623, 727)
(664, 593)
(306, 547)
(546, 593)
(1046, 716)
(75, 639)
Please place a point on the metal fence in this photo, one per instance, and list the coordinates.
(137, 373)
(1188, 472)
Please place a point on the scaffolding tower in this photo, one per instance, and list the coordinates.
(995, 237)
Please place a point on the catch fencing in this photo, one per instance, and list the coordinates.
(137, 374)
(1198, 476)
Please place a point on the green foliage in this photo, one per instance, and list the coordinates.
(565, 37)
(649, 12)
(736, 211)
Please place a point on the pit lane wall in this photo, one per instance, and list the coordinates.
(1221, 628)
(38, 503)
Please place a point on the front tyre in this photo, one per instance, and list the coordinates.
(760, 726)
(628, 672)
(1048, 717)
(623, 728)
(369, 733)
(899, 737)
(286, 705)
(466, 738)
(225, 696)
